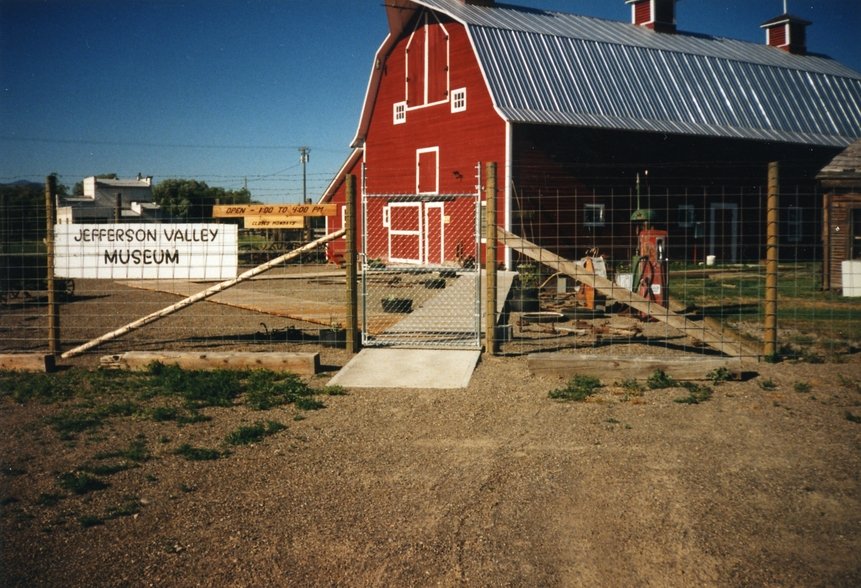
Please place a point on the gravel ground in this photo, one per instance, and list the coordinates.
(492, 485)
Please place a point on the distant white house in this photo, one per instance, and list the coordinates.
(107, 201)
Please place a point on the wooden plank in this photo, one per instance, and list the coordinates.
(274, 222)
(303, 364)
(26, 362)
(722, 341)
(237, 210)
(617, 368)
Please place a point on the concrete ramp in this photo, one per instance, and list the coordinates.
(408, 368)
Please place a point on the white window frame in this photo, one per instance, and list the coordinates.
(399, 113)
(594, 206)
(794, 224)
(687, 216)
(458, 100)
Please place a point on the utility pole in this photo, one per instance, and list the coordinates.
(304, 157)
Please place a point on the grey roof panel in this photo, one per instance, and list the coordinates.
(554, 68)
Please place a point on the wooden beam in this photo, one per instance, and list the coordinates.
(303, 364)
(617, 368)
(26, 362)
(722, 341)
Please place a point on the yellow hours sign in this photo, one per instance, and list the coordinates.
(279, 210)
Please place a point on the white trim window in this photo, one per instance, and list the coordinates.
(399, 113)
(687, 216)
(593, 215)
(458, 100)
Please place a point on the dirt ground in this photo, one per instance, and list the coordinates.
(493, 485)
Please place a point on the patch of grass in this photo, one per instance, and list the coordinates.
(161, 414)
(79, 482)
(802, 387)
(853, 418)
(632, 386)
(248, 434)
(131, 505)
(192, 453)
(658, 380)
(696, 393)
(198, 388)
(579, 388)
(49, 499)
(334, 391)
(88, 521)
(309, 404)
(768, 384)
(68, 423)
(267, 390)
(23, 387)
(107, 469)
(136, 451)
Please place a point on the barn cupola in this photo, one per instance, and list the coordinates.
(659, 15)
(787, 32)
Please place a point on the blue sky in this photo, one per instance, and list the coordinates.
(227, 91)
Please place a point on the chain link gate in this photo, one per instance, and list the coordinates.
(421, 280)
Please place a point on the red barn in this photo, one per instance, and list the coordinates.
(585, 117)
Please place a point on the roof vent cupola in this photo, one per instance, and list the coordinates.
(659, 15)
(787, 32)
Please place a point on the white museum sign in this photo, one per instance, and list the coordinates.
(155, 251)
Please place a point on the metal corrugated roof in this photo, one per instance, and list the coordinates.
(555, 68)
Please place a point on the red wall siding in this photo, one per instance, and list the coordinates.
(463, 138)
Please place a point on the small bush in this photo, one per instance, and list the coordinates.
(768, 384)
(659, 379)
(579, 388)
(719, 375)
(802, 387)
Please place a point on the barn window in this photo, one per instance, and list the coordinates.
(794, 224)
(458, 100)
(687, 216)
(385, 217)
(400, 113)
(593, 215)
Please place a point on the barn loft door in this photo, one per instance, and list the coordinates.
(427, 63)
(427, 171)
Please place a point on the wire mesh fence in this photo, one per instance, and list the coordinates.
(661, 259)
(420, 274)
(694, 251)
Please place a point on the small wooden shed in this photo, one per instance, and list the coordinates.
(841, 220)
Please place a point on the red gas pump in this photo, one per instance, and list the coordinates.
(650, 274)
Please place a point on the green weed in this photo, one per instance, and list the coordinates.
(768, 384)
(248, 434)
(696, 393)
(853, 418)
(658, 380)
(802, 387)
(79, 482)
(719, 375)
(192, 453)
(579, 388)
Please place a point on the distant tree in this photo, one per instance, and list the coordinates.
(22, 217)
(192, 200)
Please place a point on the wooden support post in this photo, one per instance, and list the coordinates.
(350, 259)
(209, 292)
(53, 308)
(490, 260)
(771, 261)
